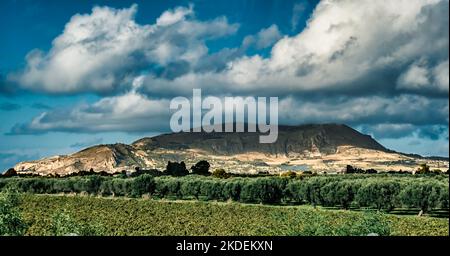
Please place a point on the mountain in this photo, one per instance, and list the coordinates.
(315, 147)
(291, 140)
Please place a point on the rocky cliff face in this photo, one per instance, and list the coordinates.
(292, 140)
(327, 147)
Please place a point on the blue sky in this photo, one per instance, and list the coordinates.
(79, 73)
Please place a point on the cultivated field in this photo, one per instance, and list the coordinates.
(125, 216)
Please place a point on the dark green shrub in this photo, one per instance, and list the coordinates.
(201, 168)
(9, 173)
(221, 173)
(176, 169)
(423, 169)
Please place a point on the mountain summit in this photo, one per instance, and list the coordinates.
(292, 140)
(315, 147)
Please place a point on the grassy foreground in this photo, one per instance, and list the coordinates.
(121, 216)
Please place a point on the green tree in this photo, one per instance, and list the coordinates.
(190, 188)
(201, 168)
(378, 194)
(211, 190)
(142, 184)
(423, 195)
(340, 193)
(232, 189)
(263, 190)
(120, 187)
(311, 189)
(93, 183)
(444, 198)
(176, 169)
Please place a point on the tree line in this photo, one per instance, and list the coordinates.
(382, 192)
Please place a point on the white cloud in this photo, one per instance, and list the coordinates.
(400, 110)
(128, 112)
(441, 76)
(170, 17)
(347, 46)
(420, 76)
(86, 56)
(104, 50)
(134, 112)
(358, 47)
(415, 78)
(264, 38)
(297, 13)
(357, 62)
(347, 40)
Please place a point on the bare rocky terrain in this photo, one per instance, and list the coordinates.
(318, 148)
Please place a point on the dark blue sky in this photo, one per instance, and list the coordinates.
(352, 64)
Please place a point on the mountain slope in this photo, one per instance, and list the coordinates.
(326, 138)
(319, 147)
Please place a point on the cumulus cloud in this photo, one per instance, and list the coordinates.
(396, 131)
(404, 109)
(133, 112)
(379, 64)
(129, 112)
(264, 38)
(389, 131)
(104, 50)
(348, 47)
(173, 16)
(420, 77)
(298, 12)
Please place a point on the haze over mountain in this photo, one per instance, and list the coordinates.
(316, 147)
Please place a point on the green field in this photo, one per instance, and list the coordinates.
(125, 216)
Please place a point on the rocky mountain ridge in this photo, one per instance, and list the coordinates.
(316, 147)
